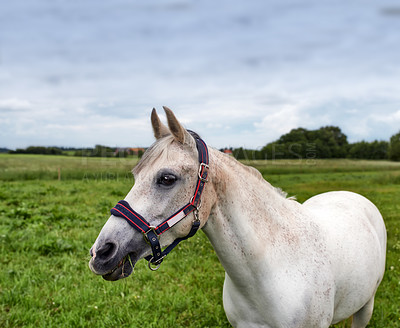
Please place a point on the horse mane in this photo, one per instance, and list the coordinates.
(284, 194)
(256, 173)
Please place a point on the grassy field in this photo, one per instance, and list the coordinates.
(47, 226)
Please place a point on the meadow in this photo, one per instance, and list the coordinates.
(53, 207)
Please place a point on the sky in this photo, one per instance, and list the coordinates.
(240, 73)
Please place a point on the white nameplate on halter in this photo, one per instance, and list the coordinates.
(176, 219)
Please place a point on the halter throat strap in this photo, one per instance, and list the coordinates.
(152, 233)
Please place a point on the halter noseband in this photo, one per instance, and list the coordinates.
(151, 233)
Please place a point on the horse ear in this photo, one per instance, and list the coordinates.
(177, 130)
(159, 129)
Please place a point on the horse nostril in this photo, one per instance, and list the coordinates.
(106, 251)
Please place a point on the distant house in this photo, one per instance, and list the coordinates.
(227, 151)
(130, 151)
(136, 151)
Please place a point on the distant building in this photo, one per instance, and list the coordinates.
(136, 151)
(227, 151)
(130, 151)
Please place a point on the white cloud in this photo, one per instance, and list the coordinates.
(14, 104)
(239, 75)
(280, 121)
(389, 118)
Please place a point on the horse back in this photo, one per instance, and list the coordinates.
(339, 211)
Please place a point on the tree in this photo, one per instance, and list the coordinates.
(379, 149)
(326, 142)
(394, 147)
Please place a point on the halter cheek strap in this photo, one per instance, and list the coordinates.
(151, 233)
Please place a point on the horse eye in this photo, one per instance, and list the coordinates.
(167, 180)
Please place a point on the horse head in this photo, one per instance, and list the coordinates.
(151, 216)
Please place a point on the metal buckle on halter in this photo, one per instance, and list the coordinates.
(203, 166)
(156, 263)
(146, 238)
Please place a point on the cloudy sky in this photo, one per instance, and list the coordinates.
(241, 73)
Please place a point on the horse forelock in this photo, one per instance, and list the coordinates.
(155, 152)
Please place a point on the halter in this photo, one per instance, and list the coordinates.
(152, 233)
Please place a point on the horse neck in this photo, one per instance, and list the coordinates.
(249, 215)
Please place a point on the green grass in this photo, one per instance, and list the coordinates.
(46, 167)
(47, 227)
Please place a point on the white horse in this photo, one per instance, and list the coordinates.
(287, 264)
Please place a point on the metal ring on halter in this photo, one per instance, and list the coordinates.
(198, 206)
(157, 263)
(203, 166)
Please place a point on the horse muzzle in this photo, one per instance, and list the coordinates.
(108, 263)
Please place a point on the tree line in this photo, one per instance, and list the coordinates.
(326, 142)
(39, 150)
(97, 151)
